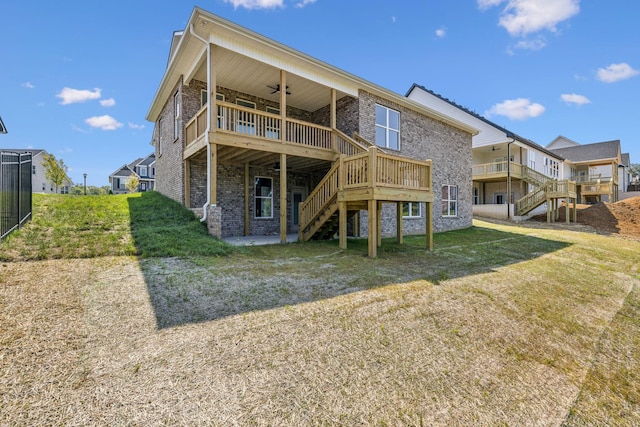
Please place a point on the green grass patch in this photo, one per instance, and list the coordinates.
(144, 224)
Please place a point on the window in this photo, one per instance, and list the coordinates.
(411, 210)
(143, 171)
(272, 125)
(203, 98)
(176, 115)
(476, 196)
(246, 122)
(387, 127)
(264, 198)
(33, 169)
(159, 137)
(532, 160)
(551, 167)
(143, 186)
(450, 200)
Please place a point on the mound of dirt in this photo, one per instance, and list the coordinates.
(622, 217)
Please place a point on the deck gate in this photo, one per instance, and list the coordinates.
(15, 191)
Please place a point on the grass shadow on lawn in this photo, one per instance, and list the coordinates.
(202, 288)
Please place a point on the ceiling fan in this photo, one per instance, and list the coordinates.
(276, 89)
(496, 149)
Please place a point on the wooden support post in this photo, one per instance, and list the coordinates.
(566, 211)
(379, 236)
(549, 207)
(429, 225)
(575, 210)
(372, 209)
(342, 224)
(247, 214)
(283, 198)
(187, 183)
(213, 174)
(399, 222)
(283, 106)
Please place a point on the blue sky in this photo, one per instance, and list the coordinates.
(77, 78)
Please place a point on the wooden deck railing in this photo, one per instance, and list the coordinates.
(319, 198)
(552, 189)
(516, 170)
(241, 120)
(375, 169)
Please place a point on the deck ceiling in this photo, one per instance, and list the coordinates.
(240, 73)
(239, 156)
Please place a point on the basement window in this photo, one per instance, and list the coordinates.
(449, 200)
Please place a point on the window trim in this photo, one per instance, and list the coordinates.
(386, 126)
(449, 200)
(410, 209)
(176, 115)
(256, 198)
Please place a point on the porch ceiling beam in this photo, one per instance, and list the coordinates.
(225, 139)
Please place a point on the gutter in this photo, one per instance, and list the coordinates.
(208, 202)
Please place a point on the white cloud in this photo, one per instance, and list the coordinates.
(516, 109)
(78, 129)
(256, 4)
(486, 4)
(28, 85)
(441, 32)
(108, 102)
(103, 122)
(534, 44)
(135, 126)
(393, 19)
(616, 72)
(71, 96)
(572, 98)
(304, 3)
(522, 17)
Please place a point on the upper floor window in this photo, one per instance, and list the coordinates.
(204, 98)
(33, 169)
(387, 127)
(159, 136)
(176, 115)
(450, 200)
(143, 171)
(272, 125)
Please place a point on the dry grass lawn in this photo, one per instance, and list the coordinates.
(268, 338)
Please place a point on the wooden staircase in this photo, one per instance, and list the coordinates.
(363, 181)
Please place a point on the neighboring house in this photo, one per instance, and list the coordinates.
(143, 168)
(532, 177)
(268, 140)
(594, 167)
(624, 173)
(39, 181)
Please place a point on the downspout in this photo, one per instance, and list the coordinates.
(513, 139)
(206, 205)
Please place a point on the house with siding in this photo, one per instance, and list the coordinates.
(594, 167)
(512, 175)
(143, 168)
(264, 139)
(39, 182)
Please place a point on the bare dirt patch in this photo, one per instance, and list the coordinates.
(622, 217)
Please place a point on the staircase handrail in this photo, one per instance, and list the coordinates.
(344, 144)
(531, 200)
(319, 198)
